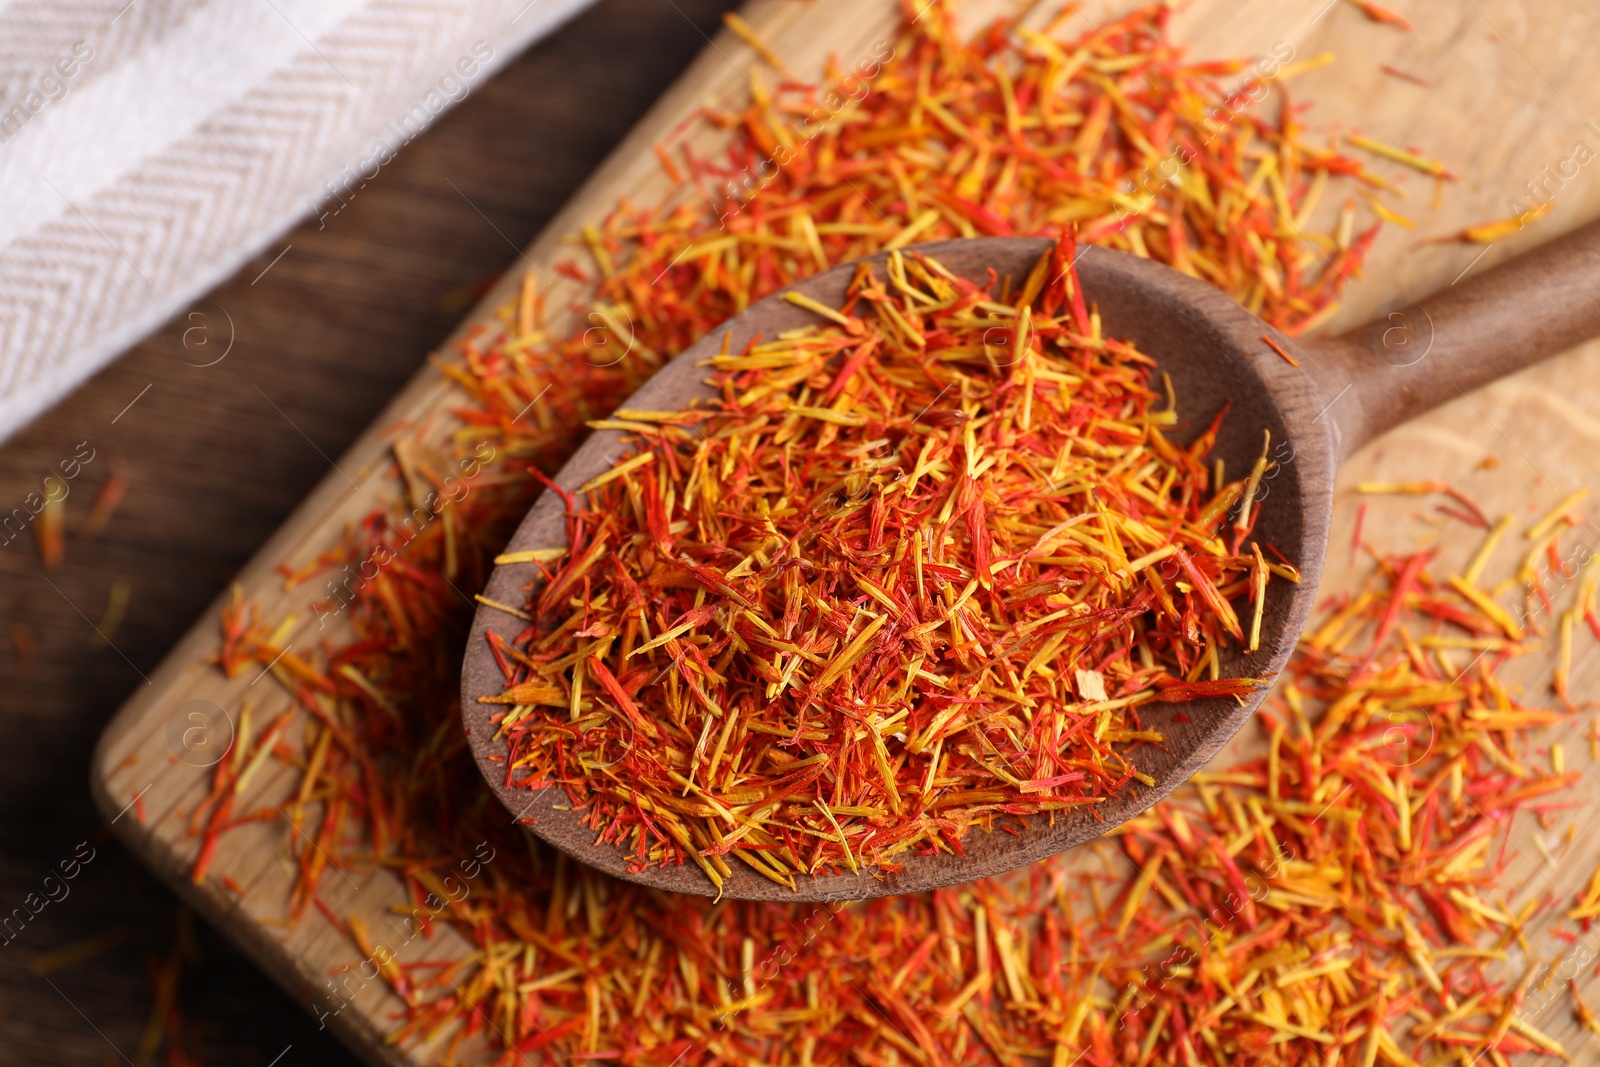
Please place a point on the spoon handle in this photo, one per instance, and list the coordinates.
(1466, 335)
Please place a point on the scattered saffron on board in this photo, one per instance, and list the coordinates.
(1337, 898)
(1402, 156)
(1489, 232)
(1378, 13)
(1473, 515)
(1350, 869)
(1394, 72)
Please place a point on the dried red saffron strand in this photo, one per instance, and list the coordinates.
(914, 569)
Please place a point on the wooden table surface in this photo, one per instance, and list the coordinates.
(215, 458)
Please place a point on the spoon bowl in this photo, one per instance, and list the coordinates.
(1341, 393)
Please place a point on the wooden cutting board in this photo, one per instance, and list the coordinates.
(1507, 101)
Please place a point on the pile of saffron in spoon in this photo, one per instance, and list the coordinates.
(912, 570)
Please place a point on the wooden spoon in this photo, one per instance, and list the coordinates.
(1345, 392)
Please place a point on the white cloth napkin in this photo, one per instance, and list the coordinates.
(148, 149)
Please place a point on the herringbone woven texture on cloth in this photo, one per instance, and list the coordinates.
(148, 149)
